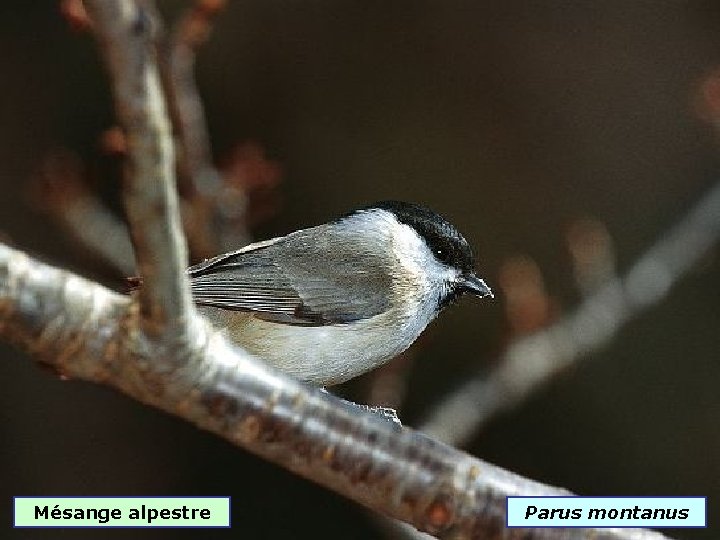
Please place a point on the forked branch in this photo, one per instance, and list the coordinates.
(157, 350)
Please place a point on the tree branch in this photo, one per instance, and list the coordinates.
(83, 330)
(59, 190)
(183, 97)
(125, 30)
(199, 180)
(531, 361)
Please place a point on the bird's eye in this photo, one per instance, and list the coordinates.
(441, 254)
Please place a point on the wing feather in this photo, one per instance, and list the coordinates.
(290, 280)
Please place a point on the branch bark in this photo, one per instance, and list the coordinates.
(83, 330)
(125, 30)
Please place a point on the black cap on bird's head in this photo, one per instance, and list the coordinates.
(446, 243)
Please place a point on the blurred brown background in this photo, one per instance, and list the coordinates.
(511, 118)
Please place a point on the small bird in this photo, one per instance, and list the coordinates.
(328, 303)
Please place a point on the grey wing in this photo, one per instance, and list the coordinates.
(320, 276)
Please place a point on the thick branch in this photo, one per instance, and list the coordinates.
(530, 362)
(125, 30)
(85, 331)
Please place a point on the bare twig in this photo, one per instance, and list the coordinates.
(248, 194)
(527, 304)
(531, 361)
(94, 227)
(184, 100)
(59, 189)
(220, 203)
(199, 180)
(75, 14)
(592, 253)
(125, 30)
(82, 330)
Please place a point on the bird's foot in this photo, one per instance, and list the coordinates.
(386, 413)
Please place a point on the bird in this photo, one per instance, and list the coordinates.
(328, 303)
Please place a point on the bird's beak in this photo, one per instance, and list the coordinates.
(474, 285)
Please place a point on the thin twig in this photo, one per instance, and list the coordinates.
(59, 190)
(96, 228)
(248, 194)
(199, 180)
(531, 361)
(191, 30)
(82, 330)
